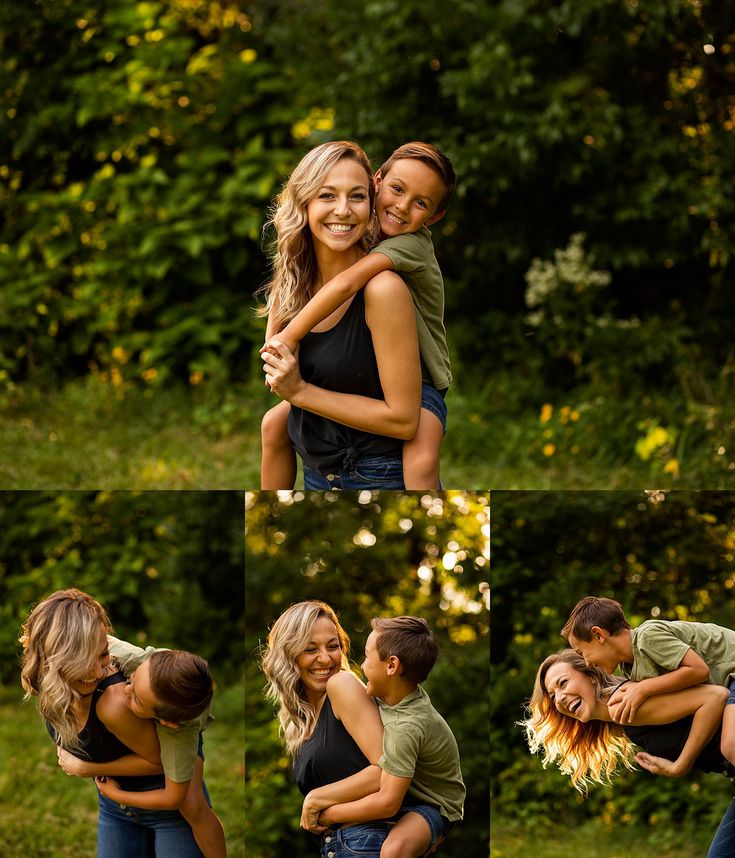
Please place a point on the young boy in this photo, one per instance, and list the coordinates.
(659, 656)
(413, 188)
(174, 688)
(420, 779)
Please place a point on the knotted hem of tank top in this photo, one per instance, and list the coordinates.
(349, 460)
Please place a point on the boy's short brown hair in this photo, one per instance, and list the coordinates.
(433, 157)
(182, 684)
(409, 639)
(595, 611)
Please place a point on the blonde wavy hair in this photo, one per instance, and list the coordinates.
(287, 640)
(60, 642)
(292, 252)
(589, 752)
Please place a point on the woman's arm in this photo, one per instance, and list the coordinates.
(391, 318)
(359, 715)
(705, 703)
(130, 764)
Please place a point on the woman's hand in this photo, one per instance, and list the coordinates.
(111, 788)
(73, 765)
(282, 374)
(310, 811)
(660, 765)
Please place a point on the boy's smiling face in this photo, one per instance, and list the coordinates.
(595, 652)
(408, 197)
(375, 670)
(138, 692)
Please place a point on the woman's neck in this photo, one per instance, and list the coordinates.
(330, 263)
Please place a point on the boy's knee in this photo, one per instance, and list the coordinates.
(273, 428)
(194, 806)
(398, 847)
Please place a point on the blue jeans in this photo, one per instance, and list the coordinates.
(439, 826)
(432, 400)
(362, 840)
(130, 832)
(373, 472)
(723, 845)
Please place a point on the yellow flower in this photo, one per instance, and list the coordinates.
(150, 374)
(547, 409)
(549, 449)
(672, 467)
(196, 376)
(575, 416)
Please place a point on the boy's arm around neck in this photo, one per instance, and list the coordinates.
(332, 295)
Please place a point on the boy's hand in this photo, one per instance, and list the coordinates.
(625, 701)
(109, 787)
(660, 766)
(72, 765)
(271, 345)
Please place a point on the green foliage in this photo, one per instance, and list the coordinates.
(368, 554)
(168, 566)
(659, 554)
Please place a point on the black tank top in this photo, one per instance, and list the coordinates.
(668, 740)
(340, 359)
(99, 745)
(328, 755)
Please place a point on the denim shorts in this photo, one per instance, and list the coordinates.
(439, 825)
(371, 472)
(434, 401)
(362, 840)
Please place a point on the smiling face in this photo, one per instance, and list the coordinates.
(572, 693)
(595, 652)
(87, 684)
(373, 668)
(408, 197)
(321, 658)
(339, 213)
(138, 692)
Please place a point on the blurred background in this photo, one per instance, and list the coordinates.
(369, 554)
(587, 253)
(662, 555)
(168, 567)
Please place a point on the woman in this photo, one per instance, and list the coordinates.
(571, 720)
(331, 728)
(80, 694)
(355, 389)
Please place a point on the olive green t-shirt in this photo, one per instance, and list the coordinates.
(418, 744)
(413, 258)
(179, 745)
(660, 645)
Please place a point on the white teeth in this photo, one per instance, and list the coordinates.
(338, 227)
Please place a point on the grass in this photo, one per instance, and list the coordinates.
(595, 840)
(90, 434)
(47, 813)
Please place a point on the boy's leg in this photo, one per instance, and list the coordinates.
(205, 826)
(410, 837)
(278, 461)
(727, 738)
(421, 453)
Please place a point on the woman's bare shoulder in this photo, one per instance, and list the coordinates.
(386, 282)
(111, 703)
(344, 684)
(386, 290)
